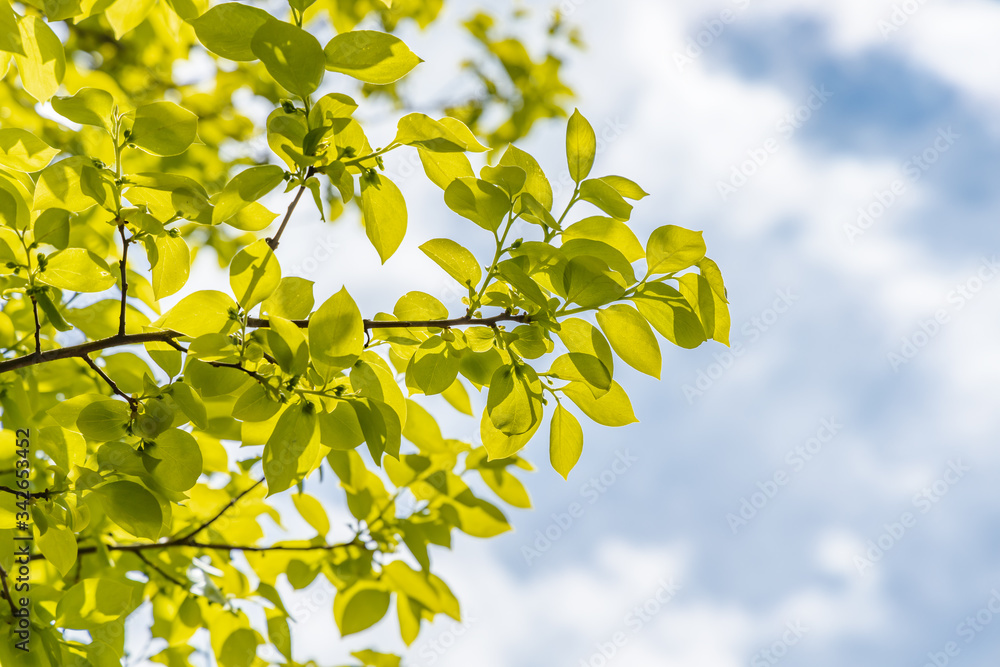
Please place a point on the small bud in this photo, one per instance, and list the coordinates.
(287, 106)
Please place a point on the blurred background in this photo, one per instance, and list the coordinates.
(822, 493)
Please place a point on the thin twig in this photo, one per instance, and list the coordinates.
(259, 323)
(6, 592)
(28, 495)
(273, 242)
(111, 383)
(225, 509)
(156, 568)
(122, 270)
(38, 328)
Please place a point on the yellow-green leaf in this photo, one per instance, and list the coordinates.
(77, 269)
(172, 267)
(20, 150)
(336, 332)
(291, 55)
(164, 128)
(581, 146)
(292, 451)
(612, 409)
(254, 274)
(565, 441)
(226, 29)
(359, 607)
(383, 211)
(43, 63)
(370, 56)
(457, 262)
(671, 249)
(631, 337)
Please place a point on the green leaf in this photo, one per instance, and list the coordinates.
(244, 189)
(606, 198)
(589, 282)
(671, 249)
(61, 185)
(206, 311)
(293, 299)
(58, 545)
(670, 314)
(312, 511)
(226, 29)
(20, 150)
(483, 203)
(172, 267)
(613, 232)
(383, 211)
(255, 405)
(42, 65)
(514, 402)
(370, 56)
(581, 146)
(78, 270)
(612, 409)
(254, 274)
(565, 441)
(422, 131)
(632, 338)
(580, 336)
(103, 420)
(510, 179)
(336, 332)
(340, 429)
(92, 603)
(288, 345)
(580, 367)
(51, 227)
(174, 460)
(132, 507)
(359, 607)
(291, 55)
(163, 128)
(190, 404)
(126, 16)
(433, 367)
(88, 106)
(292, 451)
(457, 262)
(443, 168)
(625, 187)
(536, 184)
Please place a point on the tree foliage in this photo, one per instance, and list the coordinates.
(160, 438)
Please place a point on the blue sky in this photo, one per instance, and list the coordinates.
(793, 581)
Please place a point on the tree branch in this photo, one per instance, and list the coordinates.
(28, 495)
(38, 327)
(87, 348)
(273, 242)
(134, 548)
(111, 383)
(506, 316)
(122, 269)
(156, 568)
(219, 514)
(6, 592)
(168, 337)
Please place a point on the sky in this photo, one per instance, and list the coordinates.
(822, 493)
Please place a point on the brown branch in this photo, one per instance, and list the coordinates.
(122, 268)
(28, 495)
(134, 548)
(6, 592)
(111, 383)
(87, 348)
(256, 322)
(259, 323)
(38, 327)
(273, 242)
(219, 514)
(156, 568)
